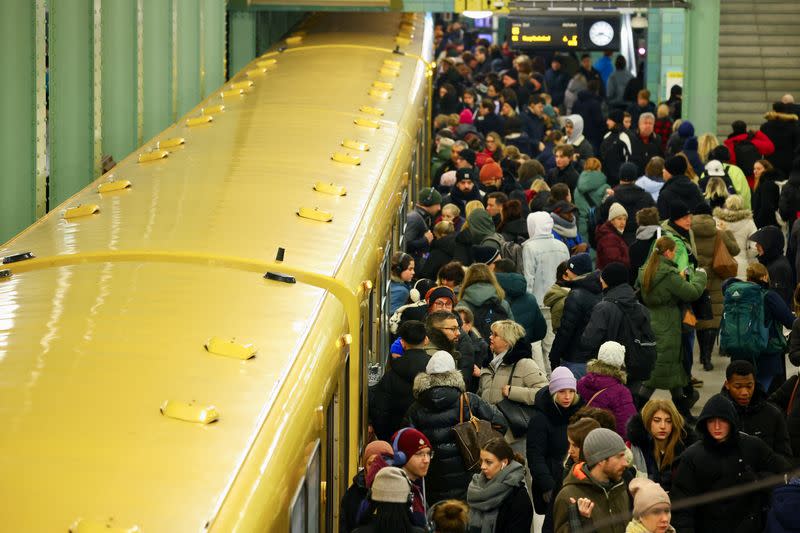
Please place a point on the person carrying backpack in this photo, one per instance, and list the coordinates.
(616, 146)
(752, 324)
(747, 147)
(481, 294)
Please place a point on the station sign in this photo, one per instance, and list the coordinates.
(565, 33)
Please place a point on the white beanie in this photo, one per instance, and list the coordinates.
(616, 210)
(612, 353)
(441, 362)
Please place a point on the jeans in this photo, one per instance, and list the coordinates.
(578, 369)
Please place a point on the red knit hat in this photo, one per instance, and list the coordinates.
(411, 441)
(491, 171)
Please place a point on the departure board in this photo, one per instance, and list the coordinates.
(565, 33)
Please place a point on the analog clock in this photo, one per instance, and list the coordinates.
(601, 33)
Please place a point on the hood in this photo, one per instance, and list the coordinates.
(480, 225)
(555, 293)
(601, 375)
(729, 215)
(631, 194)
(521, 350)
(771, 239)
(718, 406)
(404, 367)
(577, 127)
(686, 129)
(513, 283)
(516, 228)
(565, 228)
(540, 224)
(645, 233)
(589, 282)
(479, 293)
(772, 175)
(544, 402)
(774, 115)
(704, 226)
(438, 391)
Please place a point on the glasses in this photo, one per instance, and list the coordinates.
(423, 455)
(442, 303)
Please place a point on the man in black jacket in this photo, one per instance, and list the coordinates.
(769, 246)
(564, 171)
(677, 186)
(645, 143)
(488, 121)
(630, 196)
(758, 417)
(418, 235)
(723, 459)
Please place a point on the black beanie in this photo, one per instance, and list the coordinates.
(678, 210)
(676, 165)
(615, 274)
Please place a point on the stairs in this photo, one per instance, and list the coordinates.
(759, 59)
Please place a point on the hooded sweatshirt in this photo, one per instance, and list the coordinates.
(651, 184)
(541, 255)
(582, 145)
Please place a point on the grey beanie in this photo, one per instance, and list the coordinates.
(600, 444)
(391, 486)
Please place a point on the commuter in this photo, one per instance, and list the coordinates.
(534, 121)
(451, 213)
(647, 231)
(389, 504)
(706, 234)
(790, 195)
(495, 202)
(738, 220)
(441, 402)
(585, 290)
(451, 275)
(724, 458)
(630, 196)
(769, 247)
(541, 255)
(576, 84)
(675, 101)
(652, 509)
(557, 81)
(589, 194)
(645, 144)
(782, 128)
(564, 171)
(402, 274)
(547, 443)
(678, 188)
(716, 191)
(588, 71)
(540, 195)
(690, 150)
(616, 147)
(493, 150)
(357, 492)
(565, 227)
(530, 171)
(444, 334)
(546, 156)
(679, 228)
(413, 453)
(784, 397)
(418, 235)
(450, 516)
(516, 136)
(523, 305)
(464, 190)
(556, 295)
(766, 193)
(682, 131)
(604, 66)
(642, 106)
(573, 128)
(757, 416)
(747, 147)
(513, 226)
(663, 125)
(577, 430)
(497, 497)
(442, 249)
(739, 180)
(658, 436)
(663, 289)
(611, 246)
(603, 385)
(589, 107)
(598, 480)
(617, 81)
(487, 120)
(481, 293)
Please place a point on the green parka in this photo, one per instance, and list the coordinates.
(667, 291)
(591, 188)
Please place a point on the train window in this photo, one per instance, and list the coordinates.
(402, 213)
(331, 462)
(386, 269)
(304, 507)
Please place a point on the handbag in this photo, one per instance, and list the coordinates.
(472, 435)
(518, 414)
(595, 395)
(722, 262)
(688, 319)
(702, 308)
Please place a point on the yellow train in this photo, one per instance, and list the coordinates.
(233, 270)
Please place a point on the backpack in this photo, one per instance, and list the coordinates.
(743, 333)
(613, 152)
(637, 335)
(746, 154)
(513, 252)
(487, 314)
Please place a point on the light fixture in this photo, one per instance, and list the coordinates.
(639, 22)
(477, 14)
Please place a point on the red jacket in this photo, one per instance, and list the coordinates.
(762, 143)
(610, 246)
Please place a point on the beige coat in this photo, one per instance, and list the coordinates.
(741, 224)
(705, 236)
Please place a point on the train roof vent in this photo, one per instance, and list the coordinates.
(347, 159)
(370, 110)
(382, 85)
(212, 109)
(113, 185)
(254, 72)
(170, 143)
(294, 40)
(83, 210)
(377, 93)
(355, 145)
(190, 411)
(230, 93)
(231, 348)
(315, 214)
(246, 84)
(17, 257)
(266, 63)
(153, 155)
(199, 121)
(101, 526)
(330, 188)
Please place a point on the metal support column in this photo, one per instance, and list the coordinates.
(74, 86)
(213, 34)
(701, 65)
(156, 66)
(23, 134)
(242, 40)
(188, 55)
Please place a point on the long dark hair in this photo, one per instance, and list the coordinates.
(664, 244)
(502, 450)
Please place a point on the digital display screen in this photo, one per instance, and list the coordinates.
(565, 33)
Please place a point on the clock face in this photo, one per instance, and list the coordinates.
(601, 33)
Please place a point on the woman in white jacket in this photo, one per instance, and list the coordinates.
(739, 220)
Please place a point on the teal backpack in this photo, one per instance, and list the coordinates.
(743, 333)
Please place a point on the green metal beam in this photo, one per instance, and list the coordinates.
(212, 32)
(242, 40)
(188, 55)
(121, 62)
(74, 87)
(156, 66)
(22, 133)
(701, 65)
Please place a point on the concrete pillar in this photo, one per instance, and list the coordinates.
(701, 65)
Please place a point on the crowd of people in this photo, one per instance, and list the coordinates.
(576, 243)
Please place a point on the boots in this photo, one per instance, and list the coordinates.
(705, 340)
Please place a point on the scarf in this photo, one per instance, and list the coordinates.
(485, 496)
(495, 363)
(565, 228)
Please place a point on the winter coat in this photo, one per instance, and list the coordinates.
(781, 277)
(707, 466)
(636, 111)
(442, 252)
(762, 143)
(461, 199)
(783, 515)
(633, 199)
(566, 231)
(588, 106)
(584, 294)
(667, 291)
(762, 419)
(606, 384)
(765, 199)
(740, 224)
(521, 141)
(490, 123)
(705, 237)
(615, 88)
(583, 147)
(589, 192)
(613, 501)
(685, 249)
(515, 513)
(789, 200)
(540, 201)
(393, 395)
(643, 152)
(557, 81)
(515, 230)
(418, 223)
(528, 378)
(652, 185)
(611, 246)
(480, 294)
(784, 132)
(534, 126)
(547, 445)
(436, 409)
(554, 298)
(782, 398)
(398, 294)
(675, 189)
(643, 447)
(351, 503)
(567, 175)
(639, 251)
(541, 255)
(523, 305)
(663, 128)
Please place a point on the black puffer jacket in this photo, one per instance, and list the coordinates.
(351, 503)
(633, 198)
(765, 199)
(763, 420)
(784, 132)
(442, 252)
(708, 466)
(515, 230)
(392, 395)
(642, 440)
(789, 200)
(781, 278)
(434, 412)
(678, 188)
(584, 294)
(547, 446)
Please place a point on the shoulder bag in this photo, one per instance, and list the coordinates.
(472, 435)
(722, 262)
(518, 414)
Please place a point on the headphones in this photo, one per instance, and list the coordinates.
(414, 293)
(399, 457)
(397, 268)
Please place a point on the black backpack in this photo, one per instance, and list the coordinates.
(746, 154)
(613, 152)
(640, 343)
(487, 314)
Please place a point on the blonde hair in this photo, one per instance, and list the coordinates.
(734, 202)
(593, 163)
(498, 141)
(705, 143)
(452, 209)
(472, 205)
(662, 111)
(480, 273)
(442, 228)
(664, 244)
(508, 330)
(676, 124)
(692, 175)
(539, 185)
(678, 432)
(716, 188)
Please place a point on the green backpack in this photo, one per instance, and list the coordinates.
(743, 333)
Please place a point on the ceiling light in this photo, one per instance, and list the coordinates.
(639, 22)
(477, 14)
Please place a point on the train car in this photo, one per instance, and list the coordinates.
(184, 343)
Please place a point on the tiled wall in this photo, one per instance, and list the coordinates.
(665, 39)
(440, 6)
